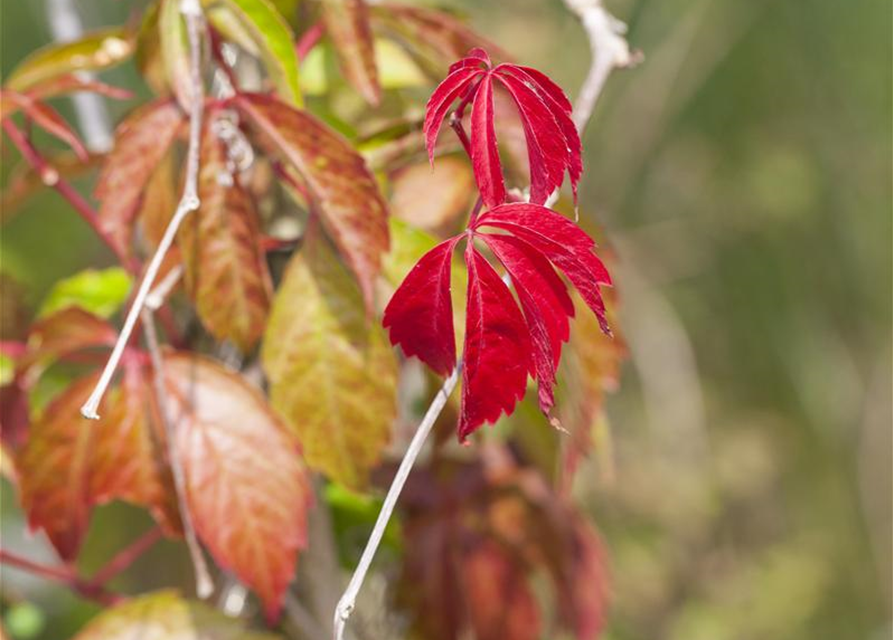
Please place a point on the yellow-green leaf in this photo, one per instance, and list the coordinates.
(175, 51)
(99, 292)
(332, 373)
(165, 615)
(96, 50)
(276, 43)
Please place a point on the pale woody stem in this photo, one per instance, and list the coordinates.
(189, 202)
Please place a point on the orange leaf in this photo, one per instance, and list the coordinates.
(226, 269)
(246, 486)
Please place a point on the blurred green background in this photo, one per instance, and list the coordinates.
(742, 175)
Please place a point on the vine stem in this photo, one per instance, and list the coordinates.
(189, 202)
(126, 557)
(63, 575)
(348, 600)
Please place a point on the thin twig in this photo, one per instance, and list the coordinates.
(189, 202)
(126, 557)
(50, 176)
(348, 600)
(610, 51)
(204, 586)
(62, 575)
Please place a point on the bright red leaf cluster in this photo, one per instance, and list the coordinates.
(503, 344)
(553, 145)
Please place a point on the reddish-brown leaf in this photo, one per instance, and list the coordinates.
(47, 119)
(65, 332)
(246, 486)
(347, 23)
(141, 141)
(226, 269)
(69, 464)
(350, 204)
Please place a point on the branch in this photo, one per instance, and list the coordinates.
(610, 51)
(348, 600)
(50, 176)
(126, 557)
(62, 575)
(204, 586)
(189, 202)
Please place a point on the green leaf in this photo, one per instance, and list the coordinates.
(332, 373)
(165, 615)
(347, 24)
(95, 51)
(276, 42)
(100, 292)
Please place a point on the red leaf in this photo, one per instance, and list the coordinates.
(546, 305)
(247, 489)
(420, 314)
(562, 242)
(497, 348)
(141, 141)
(484, 152)
(446, 93)
(547, 148)
(70, 83)
(474, 58)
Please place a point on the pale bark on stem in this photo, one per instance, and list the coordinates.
(348, 600)
(189, 202)
(204, 585)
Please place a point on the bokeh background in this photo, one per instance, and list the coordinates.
(742, 175)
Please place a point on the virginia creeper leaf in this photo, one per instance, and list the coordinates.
(141, 141)
(225, 267)
(350, 204)
(97, 50)
(100, 292)
(420, 314)
(246, 486)
(497, 353)
(332, 374)
(69, 464)
(165, 615)
(347, 24)
(484, 151)
(446, 93)
(175, 57)
(276, 42)
(47, 119)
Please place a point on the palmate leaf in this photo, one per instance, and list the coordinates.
(141, 141)
(97, 50)
(247, 490)
(226, 269)
(344, 191)
(332, 374)
(553, 144)
(501, 345)
(165, 615)
(68, 465)
(347, 24)
(46, 118)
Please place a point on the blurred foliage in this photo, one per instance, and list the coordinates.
(743, 175)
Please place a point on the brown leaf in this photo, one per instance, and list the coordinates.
(432, 200)
(246, 486)
(226, 269)
(347, 23)
(69, 464)
(346, 194)
(332, 372)
(141, 141)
